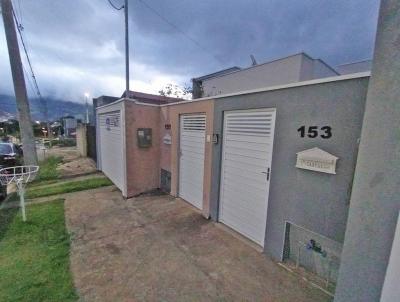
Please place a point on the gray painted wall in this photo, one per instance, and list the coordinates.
(375, 201)
(314, 69)
(355, 67)
(299, 67)
(391, 289)
(278, 72)
(325, 266)
(321, 70)
(316, 201)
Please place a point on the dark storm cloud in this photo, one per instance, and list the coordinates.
(77, 46)
(337, 31)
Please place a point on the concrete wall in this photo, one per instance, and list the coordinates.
(361, 66)
(81, 141)
(316, 201)
(174, 113)
(143, 164)
(314, 69)
(299, 67)
(325, 266)
(165, 149)
(391, 289)
(321, 70)
(375, 201)
(277, 72)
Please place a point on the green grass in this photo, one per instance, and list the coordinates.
(48, 169)
(68, 187)
(42, 183)
(34, 256)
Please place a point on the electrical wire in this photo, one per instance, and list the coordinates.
(43, 103)
(36, 89)
(19, 27)
(117, 8)
(29, 79)
(179, 30)
(20, 11)
(17, 10)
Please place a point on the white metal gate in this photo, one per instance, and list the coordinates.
(111, 147)
(191, 163)
(246, 171)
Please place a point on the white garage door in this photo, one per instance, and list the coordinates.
(111, 147)
(246, 168)
(191, 165)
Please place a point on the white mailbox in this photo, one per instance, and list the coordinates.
(316, 159)
(167, 139)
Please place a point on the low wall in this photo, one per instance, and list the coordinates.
(81, 140)
(315, 201)
(143, 163)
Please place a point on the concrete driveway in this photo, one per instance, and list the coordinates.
(161, 249)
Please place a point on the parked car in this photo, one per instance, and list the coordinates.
(10, 155)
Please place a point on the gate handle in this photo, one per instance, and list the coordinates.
(267, 173)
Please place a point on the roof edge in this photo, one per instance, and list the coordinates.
(301, 53)
(351, 76)
(279, 87)
(355, 62)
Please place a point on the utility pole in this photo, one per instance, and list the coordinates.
(370, 267)
(126, 48)
(87, 107)
(28, 140)
(46, 118)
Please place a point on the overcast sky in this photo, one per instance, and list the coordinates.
(77, 46)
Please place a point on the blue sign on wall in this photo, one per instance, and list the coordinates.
(111, 122)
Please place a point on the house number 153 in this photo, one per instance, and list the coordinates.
(315, 131)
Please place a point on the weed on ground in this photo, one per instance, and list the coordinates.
(68, 187)
(34, 255)
(48, 169)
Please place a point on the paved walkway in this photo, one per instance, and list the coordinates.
(160, 249)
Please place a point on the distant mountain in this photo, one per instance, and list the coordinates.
(56, 108)
(5, 116)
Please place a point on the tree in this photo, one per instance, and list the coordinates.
(173, 90)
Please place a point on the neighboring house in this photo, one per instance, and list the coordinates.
(150, 98)
(69, 125)
(101, 101)
(198, 82)
(140, 97)
(56, 128)
(355, 67)
(291, 69)
(227, 157)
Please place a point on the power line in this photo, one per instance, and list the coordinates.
(19, 16)
(20, 11)
(179, 30)
(125, 7)
(20, 28)
(29, 79)
(36, 89)
(32, 88)
(117, 8)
